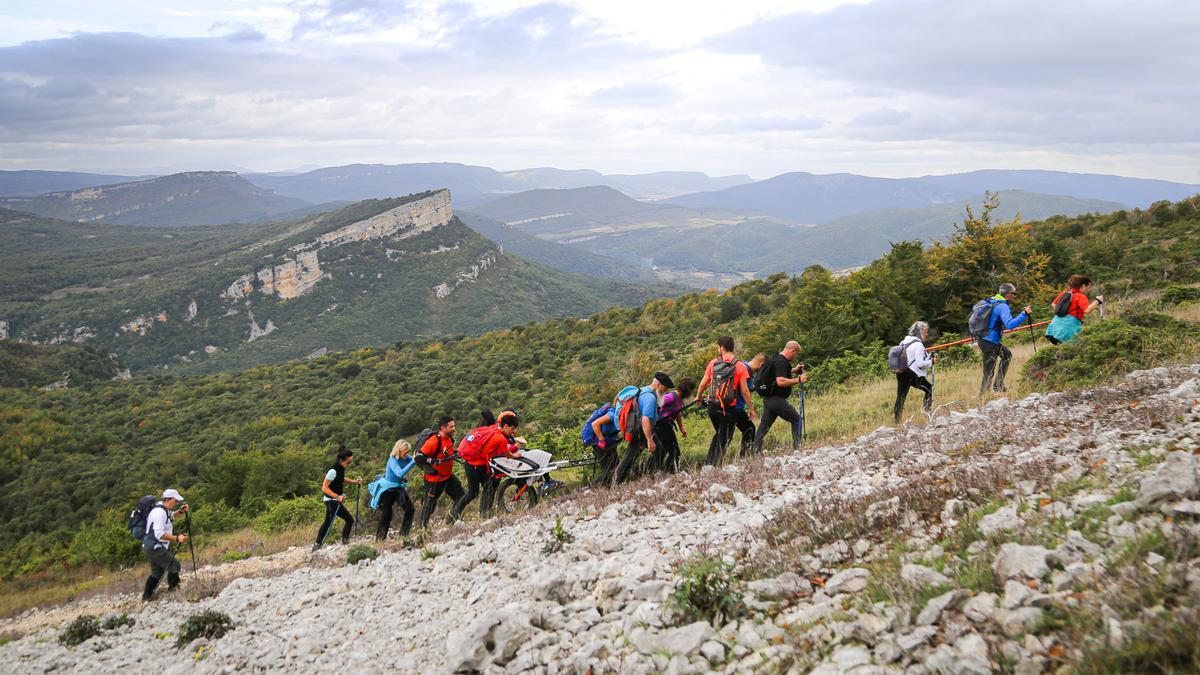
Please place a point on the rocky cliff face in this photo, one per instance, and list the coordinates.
(469, 275)
(302, 270)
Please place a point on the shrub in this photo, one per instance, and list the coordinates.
(80, 630)
(217, 517)
(707, 591)
(430, 552)
(1113, 348)
(106, 541)
(360, 552)
(289, 514)
(1177, 295)
(559, 537)
(115, 621)
(207, 624)
(235, 555)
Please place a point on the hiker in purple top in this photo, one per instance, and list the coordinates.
(670, 417)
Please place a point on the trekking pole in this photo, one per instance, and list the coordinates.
(1031, 322)
(357, 503)
(803, 418)
(332, 519)
(187, 522)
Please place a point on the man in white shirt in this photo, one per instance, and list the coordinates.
(157, 544)
(919, 361)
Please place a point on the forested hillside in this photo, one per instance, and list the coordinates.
(208, 298)
(248, 439)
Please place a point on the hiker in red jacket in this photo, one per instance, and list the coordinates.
(477, 449)
(436, 456)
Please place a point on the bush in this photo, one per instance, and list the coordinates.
(208, 624)
(80, 630)
(289, 514)
(115, 621)
(106, 541)
(706, 591)
(1113, 348)
(217, 517)
(235, 555)
(1177, 295)
(559, 537)
(359, 553)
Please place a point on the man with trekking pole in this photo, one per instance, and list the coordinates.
(158, 539)
(774, 383)
(996, 317)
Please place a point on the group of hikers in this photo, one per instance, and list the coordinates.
(645, 419)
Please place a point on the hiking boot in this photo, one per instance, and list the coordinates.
(172, 582)
(148, 589)
(316, 547)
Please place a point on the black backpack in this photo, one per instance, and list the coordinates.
(139, 515)
(764, 379)
(423, 460)
(1063, 306)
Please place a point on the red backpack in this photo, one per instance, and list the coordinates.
(629, 419)
(470, 448)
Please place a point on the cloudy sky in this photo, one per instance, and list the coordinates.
(886, 87)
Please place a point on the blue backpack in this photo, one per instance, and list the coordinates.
(588, 435)
(139, 515)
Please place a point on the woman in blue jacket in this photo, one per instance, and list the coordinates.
(392, 489)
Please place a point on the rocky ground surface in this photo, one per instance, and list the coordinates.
(1025, 537)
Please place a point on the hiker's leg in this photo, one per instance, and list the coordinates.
(903, 382)
(606, 461)
(487, 496)
(792, 416)
(1002, 369)
(330, 509)
(386, 500)
(741, 420)
(406, 505)
(344, 514)
(990, 352)
(764, 425)
(632, 451)
(157, 570)
(432, 492)
(716, 416)
(927, 387)
(475, 476)
(173, 573)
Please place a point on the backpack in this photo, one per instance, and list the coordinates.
(588, 435)
(764, 379)
(979, 323)
(897, 358)
(629, 419)
(672, 406)
(139, 515)
(1062, 307)
(470, 448)
(627, 393)
(424, 461)
(721, 390)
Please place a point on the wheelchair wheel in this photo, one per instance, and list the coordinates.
(511, 498)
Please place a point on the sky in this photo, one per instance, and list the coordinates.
(760, 87)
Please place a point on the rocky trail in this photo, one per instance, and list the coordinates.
(963, 546)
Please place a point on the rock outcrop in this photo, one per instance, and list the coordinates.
(469, 275)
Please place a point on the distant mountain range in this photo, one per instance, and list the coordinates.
(714, 247)
(810, 199)
(196, 198)
(32, 183)
(218, 298)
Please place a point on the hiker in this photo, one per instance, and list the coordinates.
(670, 417)
(914, 375)
(1070, 307)
(996, 356)
(724, 384)
(601, 433)
(392, 488)
(477, 449)
(157, 542)
(775, 384)
(332, 490)
(638, 423)
(742, 419)
(435, 455)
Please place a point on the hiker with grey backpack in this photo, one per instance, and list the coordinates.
(910, 362)
(152, 523)
(987, 322)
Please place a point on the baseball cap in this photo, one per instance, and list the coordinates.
(171, 493)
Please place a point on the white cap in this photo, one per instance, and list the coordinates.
(172, 493)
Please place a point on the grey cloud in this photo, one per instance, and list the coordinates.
(647, 94)
(883, 117)
(761, 123)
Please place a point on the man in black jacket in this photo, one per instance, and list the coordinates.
(775, 401)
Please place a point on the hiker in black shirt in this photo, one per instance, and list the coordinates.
(775, 403)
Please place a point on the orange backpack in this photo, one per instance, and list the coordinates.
(470, 448)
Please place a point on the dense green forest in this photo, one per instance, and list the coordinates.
(244, 440)
(71, 279)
